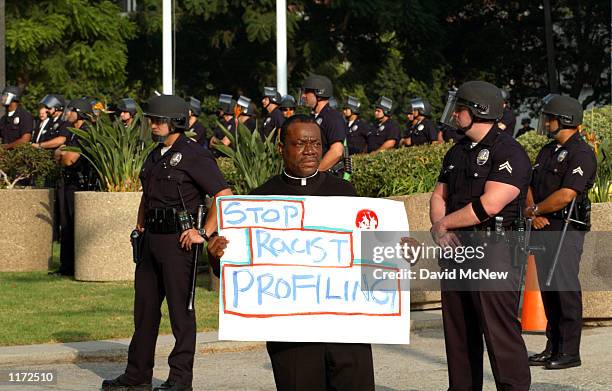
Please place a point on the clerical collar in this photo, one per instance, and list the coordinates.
(301, 181)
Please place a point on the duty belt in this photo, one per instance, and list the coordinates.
(162, 221)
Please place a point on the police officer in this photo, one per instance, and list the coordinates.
(195, 126)
(564, 171)
(287, 106)
(526, 127)
(309, 365)
(247, 112)
(386, 134)
(175, 178)
(127, 110)
(508, 120)
(55, 133)
(77, 175)
(17, 124)
(274, 117)
(423, 130)
(479, 188)
(316, 92)
(225, 112)
(357, 130)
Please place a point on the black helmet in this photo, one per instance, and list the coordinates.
(422, 106)
(226, 103)
(52, 101)
(244, 104)
(353, 104)
(127, 105)
(169, 107)
(273, 95)
(385, 104)
(483, 99)
(249, 111)
(288, 102)
(320, 85)
(526, 121)
(567, 109)
(10, 94)
(195, 106)
(82, 107)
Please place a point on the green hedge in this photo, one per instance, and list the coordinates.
(415, 170)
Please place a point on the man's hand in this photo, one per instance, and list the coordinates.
(442, 237)
(409, 244)
(189, 237)
(217, 246)
(540, 222)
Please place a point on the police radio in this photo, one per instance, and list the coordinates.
(185, 219)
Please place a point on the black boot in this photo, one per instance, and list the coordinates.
(170, 385)
(563, 361)
(540, 359)
(121, 384)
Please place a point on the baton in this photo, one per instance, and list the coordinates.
(568, 218)
(194, 265)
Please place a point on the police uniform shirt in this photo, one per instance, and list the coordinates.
(41, 130)
(424, 132)
(467, 166)
(333, 127)
(199, 130)
(572, 165)
(251, 124)
(229, 125)
(186, 165)
(509, 120)
(16, 124)
(388, 130)
(274, 120)
(357, 136)
(450, 134)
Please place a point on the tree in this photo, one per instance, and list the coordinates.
(74, 47)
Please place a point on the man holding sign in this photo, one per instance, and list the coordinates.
(309, 365)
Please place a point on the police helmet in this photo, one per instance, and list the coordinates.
(127, 105)
(10, 94)
(567, 109)
(244, 104)
(249, 110)
(82, 107)
(385, 104)
(171, 108)
(422, 106)
(288, 102)
(52, 101)
(320, 85)
(526, 121)
(353, 104)
(195, 106)
(483, 99)
(226, 103)
(273, 95)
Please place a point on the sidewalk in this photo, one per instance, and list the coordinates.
(116, 349)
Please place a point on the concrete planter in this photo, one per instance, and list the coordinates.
(103, 222)
(596, 268)
(26, 229)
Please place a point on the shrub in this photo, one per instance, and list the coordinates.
(116, 152)
(26, 165)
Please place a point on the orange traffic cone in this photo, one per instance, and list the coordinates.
(533, 318)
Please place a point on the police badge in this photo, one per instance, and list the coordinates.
(16, 121)
(482, 157)
(319, 121)
(267, 121)
(354, 128)
(420, 127)
(562, 156)
(175, 159)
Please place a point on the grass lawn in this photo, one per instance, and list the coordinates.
(37, 308)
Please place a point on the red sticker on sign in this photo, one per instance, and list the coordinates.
(366, 219)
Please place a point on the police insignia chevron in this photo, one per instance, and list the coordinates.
(578, 170)
(506, 166)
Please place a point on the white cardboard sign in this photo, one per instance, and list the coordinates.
(292, 271)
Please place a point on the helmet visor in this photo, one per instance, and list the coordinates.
(448, 115)
(7, 98)
(544, 123)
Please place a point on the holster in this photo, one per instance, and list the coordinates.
(137, 240)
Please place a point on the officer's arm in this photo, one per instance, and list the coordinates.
(386, 145)
(210, 225)
(437, 203)
(69, 158)
(406, 141)
(25, 138)
(495, 197)
(226, 141)
(557, 200)
(140, 219)
(53, 143)
(333, 156)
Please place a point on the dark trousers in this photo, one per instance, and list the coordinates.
(467, 316)
(563, 299)
(322, 366)
(65, 197)
(165, 272)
